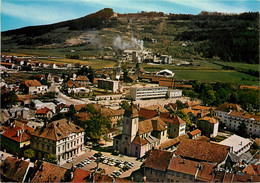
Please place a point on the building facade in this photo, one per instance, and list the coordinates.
(148, 93)
(174, 93)
(61, 138)
(139, 137)
(108, 84)
(208, 125)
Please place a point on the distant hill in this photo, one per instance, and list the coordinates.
(224, 37)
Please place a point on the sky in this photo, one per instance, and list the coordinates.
(21, 13)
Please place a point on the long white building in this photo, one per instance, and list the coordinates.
(148, 93)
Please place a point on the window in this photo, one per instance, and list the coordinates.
(177, 174)
(136, 148)
(190, 177)
(184, 176)
(42, 146)
(63, 146)
(126, 138)
(116, 142)
(68, 145)
(58, 149)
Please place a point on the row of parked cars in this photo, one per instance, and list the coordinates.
(85, 162)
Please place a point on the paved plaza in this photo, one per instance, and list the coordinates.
(107, 169)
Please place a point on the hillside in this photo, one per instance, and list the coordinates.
(231, 38)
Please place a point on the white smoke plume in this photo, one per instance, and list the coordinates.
(123, 45)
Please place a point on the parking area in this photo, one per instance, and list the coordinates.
(116, 166)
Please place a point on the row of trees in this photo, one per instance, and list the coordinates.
(218, 93)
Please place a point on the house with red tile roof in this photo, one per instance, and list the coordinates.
(202, 151)
(33, 87)
(48, 172)
(156, 164)
(16, 139)
(65, 140)
(44, 113)
(194, 134)
(14, 170)
(175, 126)
(82, 81)
(208, 125)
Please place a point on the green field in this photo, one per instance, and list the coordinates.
(240, 65)
(216, 76)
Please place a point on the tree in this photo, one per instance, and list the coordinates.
(180, 105)
(242, 129)
(29, 153)
(71, 112)
(57, 116)
(124, 104)
(51, 158)
(8, 99)
(185, 118)
(87, 71)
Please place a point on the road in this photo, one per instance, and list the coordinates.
(68, 100)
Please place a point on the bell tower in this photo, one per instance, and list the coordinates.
(130, 128)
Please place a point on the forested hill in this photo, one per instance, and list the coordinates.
(225, 37)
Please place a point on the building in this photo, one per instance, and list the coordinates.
(139, 137)
(148, 93)
(252, 169)
(62, 138)
(174, 93)
(82, 81)
(33, 87)
(166, 73)
(156, 164)
(164, 166)
(252, 122)
(223, 110)
(238, 145)
(208, 125)
(44, 113)
(14, 170)
(47, 172)
(202, 151)
(16, 139)
(108, 84)
(175, 126)
(194, 134)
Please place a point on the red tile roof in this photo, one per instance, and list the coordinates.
(245, 178)
(83, 116)
(149, 125)
(157, 108)
(205, 173)
(57, 130)
(226, 107)
(14, 169)
(30, 83)
(183, 166)
(249, 87)
(202, 151)
(199, 107)
(146, 113)
(139, 141)
(172, 142)
(252, 169)
(191, 103)
(175, 120)
(24, 133)
(45, 110)
(244, 115)
(209, 119)
(70, 84)
(82, 78)
(79, 106)
(158, 159)
(47, 172)
(195, 132)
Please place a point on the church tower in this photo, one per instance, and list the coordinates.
(130, 128)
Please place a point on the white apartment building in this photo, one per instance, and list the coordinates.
(223, 110)
(108, 84)
(252, 122)
(174, 93)
(148, 93)
(61, 138)
(239, 145)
